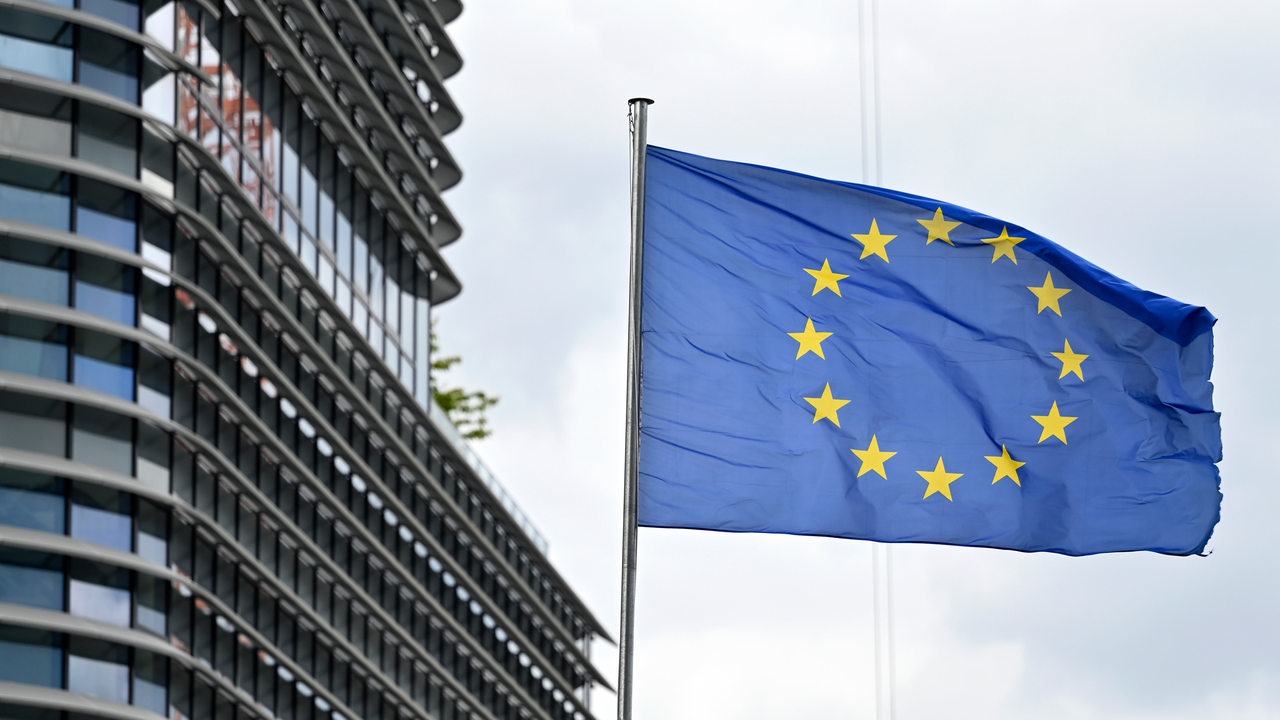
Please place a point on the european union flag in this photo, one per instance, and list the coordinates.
(825, 358)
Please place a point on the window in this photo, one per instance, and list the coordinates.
(36, 44)
(104, 440)
(108, 214)
(150, 681)
(33, 424)
(153, 459)
(109, 64)
(32, 657)
(34, 271)
(98, 669)
(33, 579)
(33, 347)
(101, 515)
(153, 532)
(36, 121)
(33, 194)
(105, 363)
(100, 592)
(119, 11)
(151, 611)
(33, 501)
(108, 138)
(106, 288)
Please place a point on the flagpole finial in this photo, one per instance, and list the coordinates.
(645, 100)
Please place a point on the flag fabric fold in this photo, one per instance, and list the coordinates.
(826, 358)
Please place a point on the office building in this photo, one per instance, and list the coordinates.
(224, 489)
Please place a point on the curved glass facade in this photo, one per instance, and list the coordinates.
(223, 490)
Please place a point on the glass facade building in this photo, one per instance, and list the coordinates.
(224, 490)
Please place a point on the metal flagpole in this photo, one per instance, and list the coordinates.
(881, 554)
(638, 114)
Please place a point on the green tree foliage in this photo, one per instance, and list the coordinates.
(467, 409)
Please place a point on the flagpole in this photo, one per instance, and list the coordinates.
(638, 112)
(881, 553)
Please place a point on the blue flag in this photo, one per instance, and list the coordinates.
(825, 358)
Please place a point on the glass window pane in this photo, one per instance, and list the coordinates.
(33, 579)
(150, 680)
(108, 138)
(328, 183)
(32, 194)
(35, 271)
(101, 515)
(154, 454)
(36, 44)
(109, 64)
(151, 605)
(105, 363)
(100, 592)
(31, 657)
(155, 383)
(106, 288)
(98, 669)
(153, 531)
(119, 11)
(33, 424)
(159, 99)
(108, 214)
(307, 199)
(376, 285)
(33, 347)
(36, 121)
(32, 501)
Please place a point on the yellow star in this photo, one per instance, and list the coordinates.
(810, 340)
(939, 228)
(1004, 246)
(1054, 424)
(1071, 360)
(827, 406)
(874, 243)
(873, 458)
(1048, 295)
(939, 480)
(1006, 467)
(824, 279)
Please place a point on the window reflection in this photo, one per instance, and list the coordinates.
(35, 44)
(108, 138)
(98, 669)
(118, 11)
(101, 515)
(109, 64)
(106, 289)
(37, 121)
(31, 657)
(99, 592)
(151, 609)
(32, 501)
(33, 424)
(105, 363)
(33, 347)
(153, 529)
(107, 213)
(33, 579)
(34, 194)
(150, 682)
(34, 271)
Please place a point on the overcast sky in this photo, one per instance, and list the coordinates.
(1140, 135)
